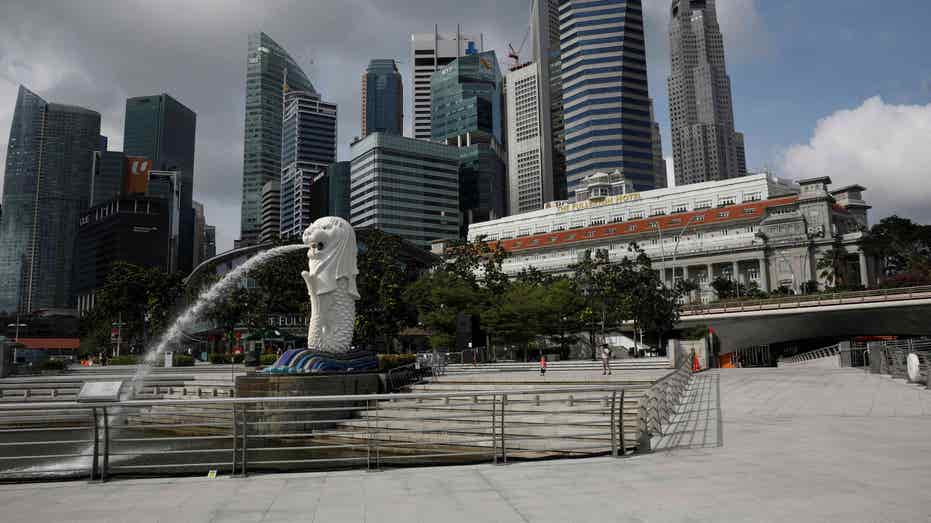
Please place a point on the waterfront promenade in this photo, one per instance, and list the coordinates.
(749, 445)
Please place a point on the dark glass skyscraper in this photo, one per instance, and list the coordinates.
(606, 100)
(46, 186)
(163, 130)
(468, 112)
(265, 75)
(382, 99)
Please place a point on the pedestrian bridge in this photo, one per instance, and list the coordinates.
(747, 323)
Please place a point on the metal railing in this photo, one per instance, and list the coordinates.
(891, 357)
(809, 300)
(800, 359)
(658, 404)
(241, 435)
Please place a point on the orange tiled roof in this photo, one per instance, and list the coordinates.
(634, 227)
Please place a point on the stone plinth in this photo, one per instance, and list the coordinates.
(264, 385)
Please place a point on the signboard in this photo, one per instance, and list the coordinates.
(611, 200)
(136, 175)
(169, 360)
(114, 334)
(100, 391)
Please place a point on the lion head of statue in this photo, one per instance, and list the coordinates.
(332, 255)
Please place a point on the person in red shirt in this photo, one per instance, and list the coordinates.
(542, 365)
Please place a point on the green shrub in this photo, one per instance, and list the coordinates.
(182, 360)
(127, 359)
(225, 359)
(391, 361)
(53, 365)
(268, 360)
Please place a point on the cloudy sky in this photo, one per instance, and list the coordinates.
(826, 87)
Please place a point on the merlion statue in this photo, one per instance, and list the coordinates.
(331, 284)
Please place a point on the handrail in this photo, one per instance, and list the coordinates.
(268, 433)
(659, 402)
(723, 307)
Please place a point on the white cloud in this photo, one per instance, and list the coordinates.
(884, 147)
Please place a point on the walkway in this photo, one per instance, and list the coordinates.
(785, 445)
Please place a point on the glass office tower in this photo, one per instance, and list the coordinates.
(46, 186)
(162, 129)
(468, 112)
(265, 74)
(606, 100)
(382, 98)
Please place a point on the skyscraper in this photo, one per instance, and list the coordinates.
(308, 147)
(265, 74)
(163, 130)
(406, 187)
(382, 98)
(468, 112)
(659, 163)
(705, 146)
(545, 37)
(606, 99)
(530, 172)
(429, 53)
(46, 186)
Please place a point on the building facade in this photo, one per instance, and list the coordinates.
(308, 147)
(163, 130)
(545, 36)
(606, 100)
(200, 221)
(758, 230)
(265, 74)
(530, 176)
(329, 192)
(406, 187)
(132, 229)
(382, 98)
(705, 146)
(431, 52)
(271, 211)
(468, 113)
(209, 243)
(46, 186)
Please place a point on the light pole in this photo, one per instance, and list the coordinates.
(17, 325)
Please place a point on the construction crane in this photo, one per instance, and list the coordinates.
(514, 54)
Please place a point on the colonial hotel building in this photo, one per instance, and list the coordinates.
(756, 228)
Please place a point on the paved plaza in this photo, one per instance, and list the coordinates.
(749, 445)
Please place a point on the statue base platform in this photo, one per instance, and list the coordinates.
(280, 418)
(306, 361)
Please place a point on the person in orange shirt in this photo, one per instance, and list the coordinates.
(542, 365)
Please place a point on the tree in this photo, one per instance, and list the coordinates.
(832, 267)
(237, 309)
(469, 280)
(382, 312)
(143, 299)
(590, 282)
(900, 246)
(278, 286)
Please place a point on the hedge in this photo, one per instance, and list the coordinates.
(127, 359)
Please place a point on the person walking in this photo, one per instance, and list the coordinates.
(542, 365)
(605, 359)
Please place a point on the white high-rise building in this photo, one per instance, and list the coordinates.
(530, 170)
(545, 33)
(429, 53)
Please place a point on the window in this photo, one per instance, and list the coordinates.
(724, 201)
(753, 197)
(680, 208)
(654, 225)
(724, 214)
(699, 218)
(750, 210)
(658, 211)
(636, 215)
(617, 218)
(631, 228)
(702, 204)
